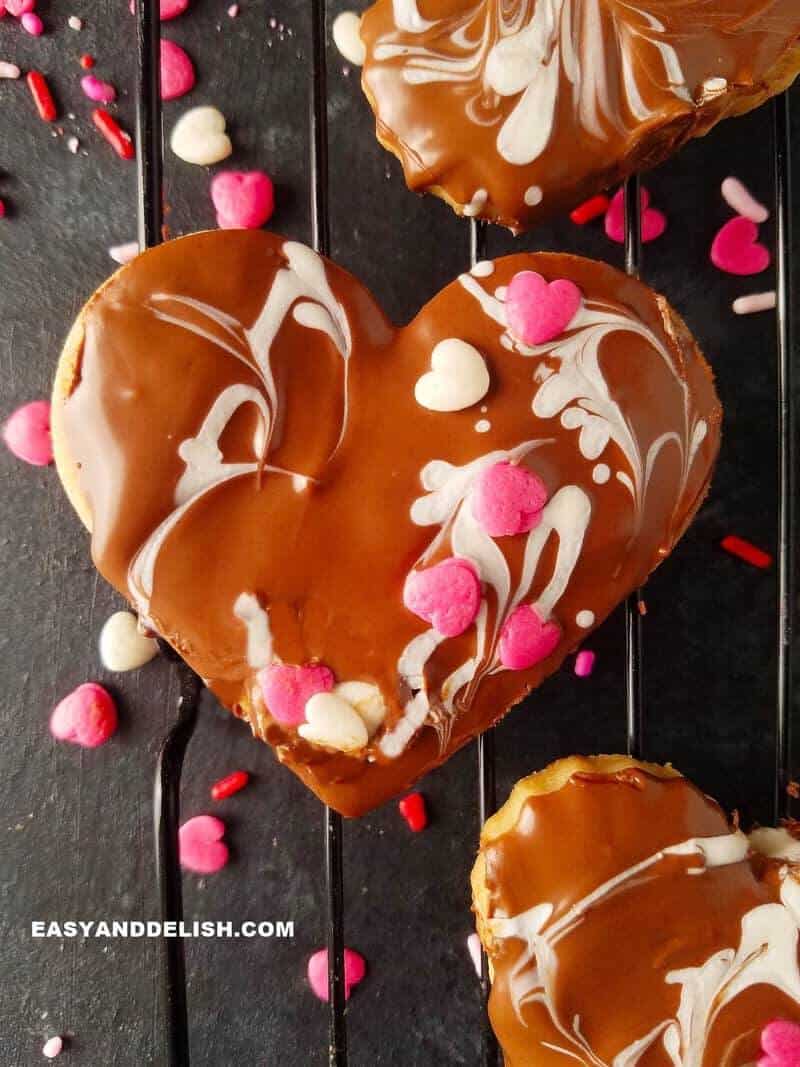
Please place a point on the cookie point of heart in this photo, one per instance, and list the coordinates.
(357, 573)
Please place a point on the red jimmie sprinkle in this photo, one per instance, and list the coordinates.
(119, 140)
(412, 808)
(590, 209)
(737, 546)
(86, 61)
(229, 785)
(42, 97)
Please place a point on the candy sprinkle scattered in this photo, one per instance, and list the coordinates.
(413, 810)
(2, 209)
(588, 210)
(9, 70)
(32, 24)
(642, 606)
(354, 970)
(53, 1047)
(347, 37)
(86, 61)
(584, 663)
(124, 253)
(474, 949)
(86, 717)
(739, 197)
(200, 845)
(27, 432)
(739, 547)
(75, 23)
(230, 784)
(112, 132)
(18, 8)
(42, 97)
(73, 144)
(99, 91)
(737, 250)
(747, 305)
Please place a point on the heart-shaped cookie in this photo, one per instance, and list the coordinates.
(238, 425)
(515, 110)
(628, 924)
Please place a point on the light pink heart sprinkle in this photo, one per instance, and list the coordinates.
(27, 433)
(287, 689)
(87, 717)
(354, 970)
(244, 200)
(736, 250)
(780, 1040)
(447, 595)
(32, 24)
(177, 71)
(18, 8)
(654, 222)
(526, 639)
(169, 9)
(96, 89)
(200, 845)
(508, 499)
(539, 311)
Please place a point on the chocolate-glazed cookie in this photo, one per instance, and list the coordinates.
(628, 923)
(371, 541)
(513, 109)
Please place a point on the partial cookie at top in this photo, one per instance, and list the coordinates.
(513, 111)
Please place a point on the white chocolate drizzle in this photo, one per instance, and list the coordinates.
(248, 609)
(521, 51)
(766, 954)
(300, 287)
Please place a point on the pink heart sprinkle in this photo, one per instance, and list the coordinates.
(447, 595)
(354, 970)
(27, 433)
(538, 311)
(287, 689)
(244, 200)
(32, 24)
(654, 222)
(526, 639)
(508, 499)
(169, 9)
(780, 1040)
(17, 8)
(200, 845)
(177, 71)
(87, 717)
(98, 90)
(736, 250)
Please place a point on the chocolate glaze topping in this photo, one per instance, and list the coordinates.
(650, 953)
(239, 420)
(512, 109)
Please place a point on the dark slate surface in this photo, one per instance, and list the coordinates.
(76, 825)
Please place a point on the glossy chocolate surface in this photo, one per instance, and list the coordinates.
(514, 109)
(654, 953)
(288, 364)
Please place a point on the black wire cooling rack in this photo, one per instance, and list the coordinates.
(166, 800)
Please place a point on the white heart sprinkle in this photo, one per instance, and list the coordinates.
(347, 37)
(458, 377)
(334, 723)
(122, 646)
(367, 700)
(199, 137)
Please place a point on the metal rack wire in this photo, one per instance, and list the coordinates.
(167, 788)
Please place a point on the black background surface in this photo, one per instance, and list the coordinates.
(76, 831)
